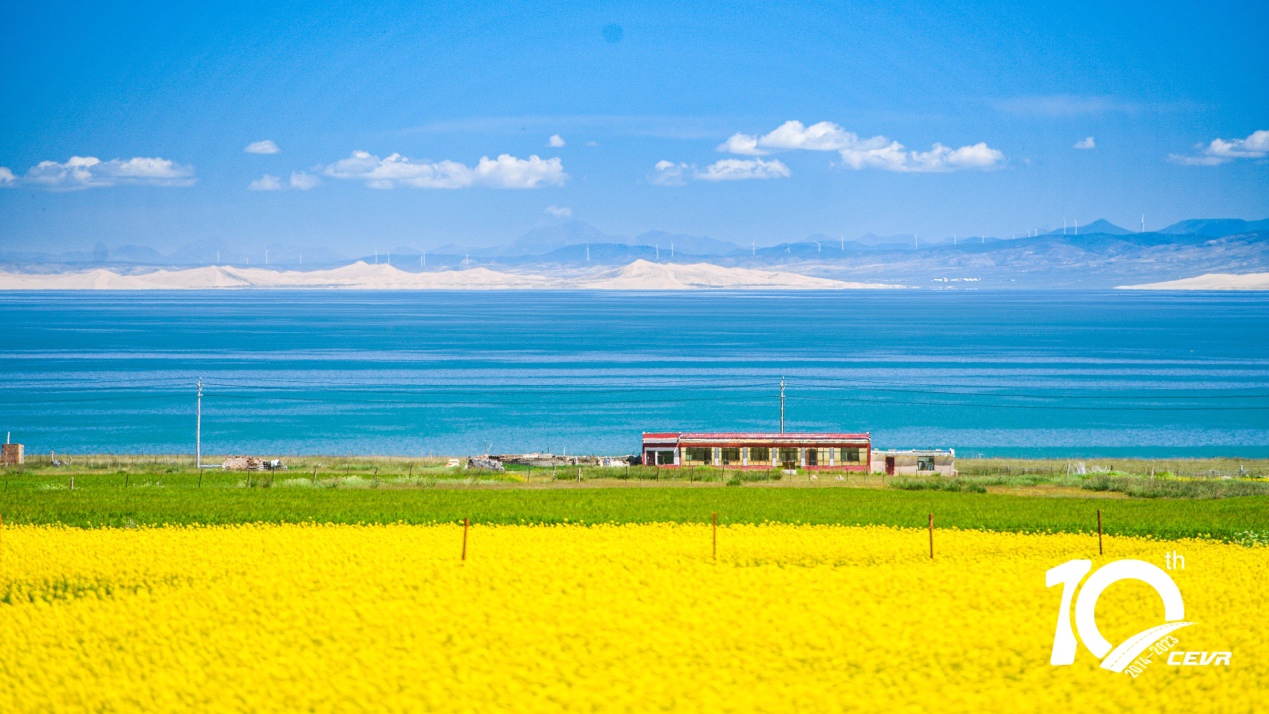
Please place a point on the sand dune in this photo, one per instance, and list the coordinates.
(639, 275)
(645, 275)
(1210, 281)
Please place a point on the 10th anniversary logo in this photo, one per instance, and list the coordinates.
(1134, 654)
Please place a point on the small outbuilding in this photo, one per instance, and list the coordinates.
(12, 454)
(914, 462)
(252, 463)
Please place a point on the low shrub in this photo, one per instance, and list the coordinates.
(952, 484)
(1176, 488)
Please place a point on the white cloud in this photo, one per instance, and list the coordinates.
(1085, 143)
(265, 183)
(262, 147)
(743, 170)
(824, 136)
(555, 142)
(893, 156)
(744, 144)
(304, 181)
(668, 173)
(80, 172)
(396, 170)
(1222, 151)
(877, 152)
(559, 211)
(300, 180)
(6, 177)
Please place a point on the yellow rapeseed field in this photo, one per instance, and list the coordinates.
(610, 618)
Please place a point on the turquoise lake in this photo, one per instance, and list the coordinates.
(991, 373)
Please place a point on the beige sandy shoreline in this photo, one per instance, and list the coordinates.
(1209, 281)
(639, 275)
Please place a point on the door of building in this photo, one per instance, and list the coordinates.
(890, 466)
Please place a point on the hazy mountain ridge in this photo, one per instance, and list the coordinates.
(1099, 255)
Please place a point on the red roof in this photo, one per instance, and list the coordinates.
(756, 437)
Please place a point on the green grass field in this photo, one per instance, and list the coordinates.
(156, 491)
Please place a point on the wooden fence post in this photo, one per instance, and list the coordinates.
(931, 536)
(1100, 550)
(714, 516)
(465, 524)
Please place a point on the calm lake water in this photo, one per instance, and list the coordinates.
(993, 373)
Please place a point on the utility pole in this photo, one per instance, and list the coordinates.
(198, 428)
(781, 405)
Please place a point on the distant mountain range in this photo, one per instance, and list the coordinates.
(1096, 254)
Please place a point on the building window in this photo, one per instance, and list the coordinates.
(817, 457)
(664, 458)
(790, 458)
(925, 463)
(848, 455)
(698, 455)
(731, 456)
(759, 455)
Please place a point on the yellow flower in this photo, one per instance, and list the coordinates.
(604, 618)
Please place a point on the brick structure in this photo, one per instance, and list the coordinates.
(12, 454)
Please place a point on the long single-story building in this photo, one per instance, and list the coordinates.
(759, 450)
(914, 462)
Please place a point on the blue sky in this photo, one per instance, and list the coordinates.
(160, 101)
